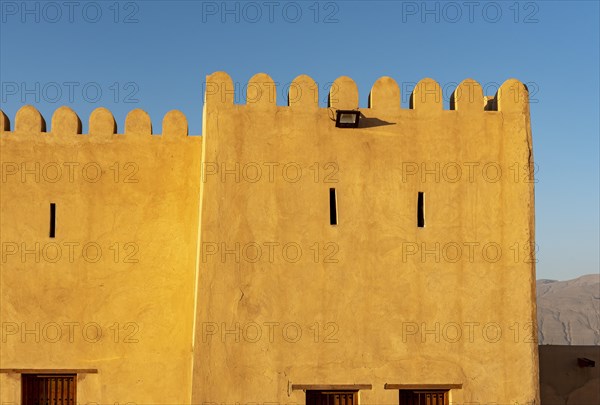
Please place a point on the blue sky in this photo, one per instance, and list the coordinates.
(155, 55)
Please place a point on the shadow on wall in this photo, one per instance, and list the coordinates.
(372, 122)
(570, 375)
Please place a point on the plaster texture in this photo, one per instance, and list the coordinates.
(242, 288)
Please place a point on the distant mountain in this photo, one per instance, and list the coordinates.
(569, 311)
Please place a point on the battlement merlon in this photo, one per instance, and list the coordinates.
(102, 124)
(501, 121)
(303, 93)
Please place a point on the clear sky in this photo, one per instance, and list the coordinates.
(155, 55)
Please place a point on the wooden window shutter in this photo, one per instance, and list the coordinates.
(48, 389)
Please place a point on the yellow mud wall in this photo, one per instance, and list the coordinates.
(114, 289)
(286, 299)
(260, 294)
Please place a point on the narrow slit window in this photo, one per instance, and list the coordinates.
(333, 219)
(421, 210)
(52, 220)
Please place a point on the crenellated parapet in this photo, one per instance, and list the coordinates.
(303, 93)
(102, 123)
(302, 96)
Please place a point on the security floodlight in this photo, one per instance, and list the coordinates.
(347, 118)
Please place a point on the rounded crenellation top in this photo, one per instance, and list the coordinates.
(303, 92)
(261, 93)
(101, 123)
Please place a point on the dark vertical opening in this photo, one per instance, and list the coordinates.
(332, 207)
(52, 220)
(421, 210)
